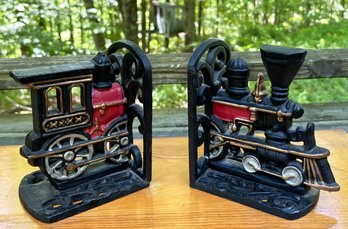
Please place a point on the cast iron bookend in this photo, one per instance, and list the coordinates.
(247, 139)
(82, 137)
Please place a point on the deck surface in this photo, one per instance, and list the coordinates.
(170, 202)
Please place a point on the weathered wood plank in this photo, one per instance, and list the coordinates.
(171, 68)
(173, 122)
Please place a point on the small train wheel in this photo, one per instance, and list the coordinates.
(58, 166)
(112, 145)
(218, 146)
(251, 164)
(292, 175)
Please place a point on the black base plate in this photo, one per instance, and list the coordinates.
(48, 204)
(269, 197)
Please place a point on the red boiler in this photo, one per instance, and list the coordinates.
(108, 104)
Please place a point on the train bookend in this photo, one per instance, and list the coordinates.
(250, 151)
(82, 137)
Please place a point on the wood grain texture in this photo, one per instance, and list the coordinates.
(170, 202)
(171, 68)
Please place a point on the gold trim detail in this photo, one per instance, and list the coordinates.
(251, 143)
(107, 104)
(102, 107)
(242, 122)
(245, 146)
(260, 90)
(314, 177)
(66, 121)
(63, 83)
(62, 80)
(97, 128)
(253, 114)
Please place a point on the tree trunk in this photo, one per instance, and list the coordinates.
(98, 35)
(343, 2)
(217, 19)
(190, 23)
(59, 26)
(246, 13)
(255, 10)
(200, 16)
(149, 35)
(129, 15)
(143, 24)
(265, 7)
(71, 26)
(306, 12)
(277, 12)
(82, 29)
(42, 22)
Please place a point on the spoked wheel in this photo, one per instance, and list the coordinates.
(217, 144)
(112, 145)
(59, 166)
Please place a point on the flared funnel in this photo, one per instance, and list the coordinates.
(281, 64)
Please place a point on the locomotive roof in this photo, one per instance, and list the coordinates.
(33, 75)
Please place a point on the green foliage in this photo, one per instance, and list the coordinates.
(319, 90)
(63, 27)
(170, 96)
(315, 90)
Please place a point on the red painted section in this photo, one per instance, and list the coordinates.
(230, 112)
(114, 100)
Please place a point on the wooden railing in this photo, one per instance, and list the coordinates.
(171, 69)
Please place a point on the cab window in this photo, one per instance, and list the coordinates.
(53, 101)
(77, 97)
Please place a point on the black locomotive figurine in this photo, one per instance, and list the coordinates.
(82, 137)
(267, 172)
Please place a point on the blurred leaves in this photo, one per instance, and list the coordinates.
(34, 28)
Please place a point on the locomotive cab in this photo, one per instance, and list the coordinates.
(79, 118)
(82, 137)
(55, 108)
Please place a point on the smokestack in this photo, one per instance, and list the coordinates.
(281, 64)
(102, 75)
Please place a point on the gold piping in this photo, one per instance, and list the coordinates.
(113, 103)
(325, 154)
(64, 83)
(323, 187)
(318, 171)
(308, 171)
(37, 84)
(241, 145)
(313, 171)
